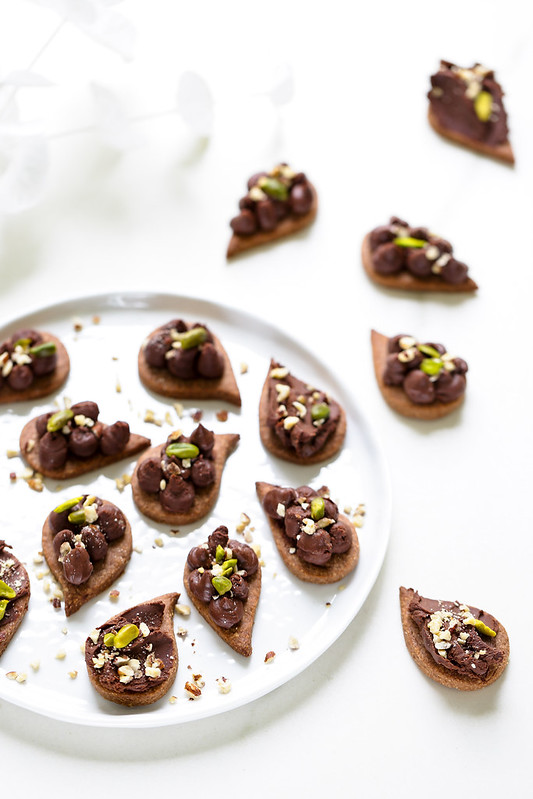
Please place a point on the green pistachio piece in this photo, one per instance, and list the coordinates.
(431, 366)
(318, 508)
(192, 338)
(126, 635)
(221, 584)
(58, 420)
(69, 503)
(274, 188)
(320, 411)
(220, 554)
(182, 450)
(23, 342)
(109, 639)
(77, 517)
(7, 591)
(425, 349)
(228, 567)
(481, 627)
(483, 106)
(407, 241)
(3, 606)
(43, 350)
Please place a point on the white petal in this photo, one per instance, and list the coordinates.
(282, 88)
(24, 77)
(194, 102)
(114, 126)
(24, 178)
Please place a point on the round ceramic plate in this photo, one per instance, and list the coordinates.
(48, 647)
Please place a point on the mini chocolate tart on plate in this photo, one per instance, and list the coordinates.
(422, 381)
(401, 257)
(297, 422)
(72, 442)
(178, 482)
(186, 361)
(223, 580)
(454, 644)
(33, 364)
(317, 544)
(466, 106)
(14, 594)
(87, 545)
(132, 659)
(278, 204)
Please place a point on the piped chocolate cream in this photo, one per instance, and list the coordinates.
(310, 521)
(131, 653)
(187, 351)
(301, 417)
(397, 248)
(469, 101)
(183, 466)
(219, 577)
(14, 594)
(427, 373)
(24, 357)
(460, 638)
(272, 197)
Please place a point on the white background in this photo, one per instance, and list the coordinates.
(362, 718)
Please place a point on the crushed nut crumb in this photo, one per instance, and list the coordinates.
(12, 453)
(151, 418)
(178, 407)
(293, 643)
(172, 700)
(61, 655)
(269, 657)
(159, 542)
(73, 674)
(243, 368)
(222, 416)
(224, 685)
(114, 595)
(183, 610)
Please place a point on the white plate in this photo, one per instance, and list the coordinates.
(102, 354)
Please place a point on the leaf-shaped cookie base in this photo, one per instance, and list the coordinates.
(502, 152)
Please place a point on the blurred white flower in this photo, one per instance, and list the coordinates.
(112, 123)
(194, 103)
(97, 20)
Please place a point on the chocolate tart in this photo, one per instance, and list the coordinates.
(238, 637)
(45, 384)
(336, 568)
(161, 381)
(441, 674)
(204, 499)
(396, 397)
(272, 442)
(104, 571)
(15, 576)
(152, 653)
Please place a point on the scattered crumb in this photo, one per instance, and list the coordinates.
(357, 520)
(56, 603)
(151, 418)
(35, 665)
(269, 657)
(244, 368)
(114, 358)
(197, 415)
(348, 509)
(248, 537)
(12, 453)
(159, 542)
(224, 685)
(122, 482)
(38, 558)
(118, 387)
(174, 532)
(96, 319)
(77, 324)
(178, 407)
(168, 419)
(11, 675)
(172, 700)
(293, 643)
(193, 688)
(61, 655)
(328, 604)
(222, 416)
(244, 521)
(64, 631)
(12, 477)
(182, 632)
(73, 674)
(183, 610)
(138, 549)
(342, 587)
(114, 595)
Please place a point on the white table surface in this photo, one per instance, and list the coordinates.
(362, 718)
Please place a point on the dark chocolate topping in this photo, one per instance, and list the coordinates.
(293, 423)
(453, 643)
(13, 574)
(22, 360)
(186, 360)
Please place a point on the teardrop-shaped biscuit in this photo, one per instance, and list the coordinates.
(143, 670)
(15, 576)
(204, 499)
(104, 572)
(161, 381)
(396, 397)
(441, 674)
(338, 567)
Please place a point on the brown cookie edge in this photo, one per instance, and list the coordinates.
(396, 397)
(149, 505)
(8, 630)
(501, 152)
(426, 663)
(153, 694)
(405, 281)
